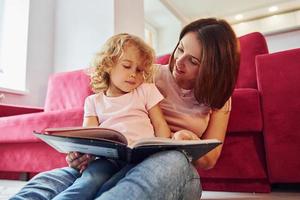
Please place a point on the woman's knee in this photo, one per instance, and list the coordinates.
(175, 160)
(192, 189)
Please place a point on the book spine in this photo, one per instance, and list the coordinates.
(128, 155)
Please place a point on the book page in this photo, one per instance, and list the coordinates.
(89, 133)
(65, 147)
(169, 141)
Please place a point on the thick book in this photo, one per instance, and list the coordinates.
(112, 144)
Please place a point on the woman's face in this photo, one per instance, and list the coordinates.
(187, 61)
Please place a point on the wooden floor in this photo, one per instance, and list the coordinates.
(8, 188)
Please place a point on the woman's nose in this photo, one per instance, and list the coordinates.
(180, 61)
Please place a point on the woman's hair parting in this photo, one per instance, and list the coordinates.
(111, 52)
(219, 61)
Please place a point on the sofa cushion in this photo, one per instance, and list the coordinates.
(279, 85)
(245, 114)
(163, 60)
(67, 90)
(251, 45)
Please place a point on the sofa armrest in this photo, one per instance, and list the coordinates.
(279, 84)
(9, 110)
(19, 128)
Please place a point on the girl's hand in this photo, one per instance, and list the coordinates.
(78, 161)
(185, 135)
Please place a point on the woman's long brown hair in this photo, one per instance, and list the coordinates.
(219, 61)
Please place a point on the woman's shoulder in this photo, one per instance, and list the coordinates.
(160, 71)
(226, 107)
(160, 67)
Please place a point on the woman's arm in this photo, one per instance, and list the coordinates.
(161, 128)
(216, 129)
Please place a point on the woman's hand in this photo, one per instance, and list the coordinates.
(185, 135)
(78, 161)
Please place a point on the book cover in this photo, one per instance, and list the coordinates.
(113, 144)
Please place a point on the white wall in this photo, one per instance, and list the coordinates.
(65, 35)
(283, 41)
(81, 27)
(129, 17)
(168, 38)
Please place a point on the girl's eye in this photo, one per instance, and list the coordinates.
(126, 66)
(139, 70)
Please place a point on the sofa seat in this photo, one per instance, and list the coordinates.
(242, 162)
(245, 167)
(35, 156)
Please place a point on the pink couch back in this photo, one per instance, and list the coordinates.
(251, 45)
(67, 90)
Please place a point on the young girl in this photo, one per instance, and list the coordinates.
(123, 102)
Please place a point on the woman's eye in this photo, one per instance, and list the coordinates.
(194, 63)
(180, 49)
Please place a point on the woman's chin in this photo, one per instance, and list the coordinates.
(177, 75)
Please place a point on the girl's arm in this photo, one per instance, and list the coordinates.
(216, 129)
(90, 121)
(161, 128)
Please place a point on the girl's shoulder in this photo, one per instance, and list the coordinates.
(146, 87)
(95, 96)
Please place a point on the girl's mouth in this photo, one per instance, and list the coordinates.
(130, 82)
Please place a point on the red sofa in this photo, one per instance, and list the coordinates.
(279, 86)
(241, 167)
(20, 151)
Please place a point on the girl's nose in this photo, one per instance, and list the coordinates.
(132, 75)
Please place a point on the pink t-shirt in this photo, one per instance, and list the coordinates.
(128, 113)
(180, 108)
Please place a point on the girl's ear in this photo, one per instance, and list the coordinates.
(108, 70)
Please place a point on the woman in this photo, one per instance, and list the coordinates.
(197, 85)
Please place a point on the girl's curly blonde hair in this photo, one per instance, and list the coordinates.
(109, 55)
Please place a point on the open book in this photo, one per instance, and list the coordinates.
(113, 144)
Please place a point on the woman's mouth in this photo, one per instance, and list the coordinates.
(178, 71)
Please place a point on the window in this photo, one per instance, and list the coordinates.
(14, 15)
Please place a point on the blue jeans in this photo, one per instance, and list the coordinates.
(166, 176)
(67, 183)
